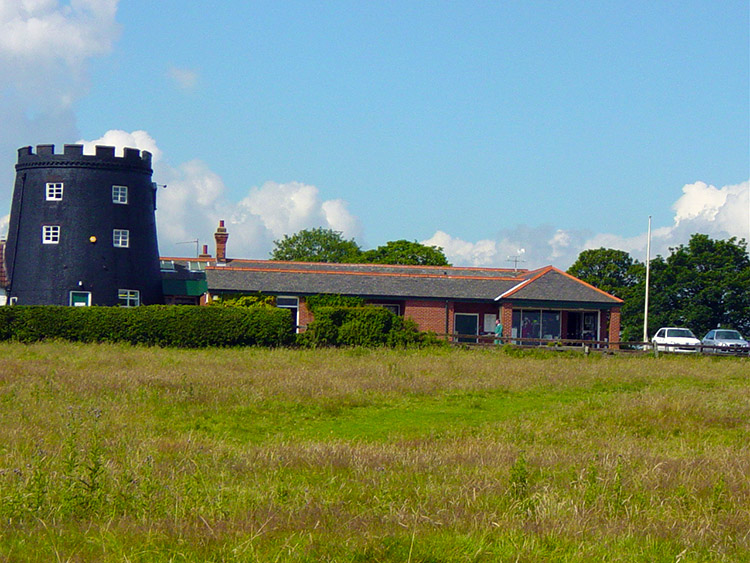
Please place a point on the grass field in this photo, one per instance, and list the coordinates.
(116, 453)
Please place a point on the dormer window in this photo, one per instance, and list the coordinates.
(120, 194)
(54, 191)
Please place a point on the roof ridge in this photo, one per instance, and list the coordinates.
(374, 265)
(349, 273)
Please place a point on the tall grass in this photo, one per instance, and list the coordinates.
(118, 453)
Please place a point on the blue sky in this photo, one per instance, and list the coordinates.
(484, 127)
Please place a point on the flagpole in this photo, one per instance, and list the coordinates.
(648, 271)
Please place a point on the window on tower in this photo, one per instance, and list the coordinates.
(129, 297)
(121, 238)
(54, 191)
(120, 194)
(50, 234)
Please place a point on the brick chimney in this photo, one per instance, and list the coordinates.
(205, 253)
(221, 237)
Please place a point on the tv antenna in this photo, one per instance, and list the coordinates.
(196, 242)
(517, 258)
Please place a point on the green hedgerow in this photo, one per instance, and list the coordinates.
(157, 325)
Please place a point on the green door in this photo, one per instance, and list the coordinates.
(80, 298)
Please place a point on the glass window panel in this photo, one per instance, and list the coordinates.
(129, 297)
(54, 191)
(50, 234)
(589, 326)
(530, 324)
(121, 238)
(120, 194)
(551, 325)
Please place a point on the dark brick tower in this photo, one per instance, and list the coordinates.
(83, 229)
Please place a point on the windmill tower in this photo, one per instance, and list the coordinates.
(83, 229)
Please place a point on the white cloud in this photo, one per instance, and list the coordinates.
(560, 243)
(45, 46)
(184, 78)
(43, 42)
(702, 208)
(480, 253)
(522, 246)
(195, 199)
(121, 139)
(45, 29)
(4, 225)
(718, 212)
(723, 211)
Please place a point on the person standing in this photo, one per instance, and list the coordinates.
(498, 332)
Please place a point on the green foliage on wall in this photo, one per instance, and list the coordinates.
(360, 326)
(332, 300)
(245, 300)
(156, 325)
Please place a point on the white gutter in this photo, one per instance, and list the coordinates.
(512, 289)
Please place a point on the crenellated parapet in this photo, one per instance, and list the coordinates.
(73, 155)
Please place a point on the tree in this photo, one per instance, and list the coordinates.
(702, 285)
(316, 245)
(610, 270)
(406, 252)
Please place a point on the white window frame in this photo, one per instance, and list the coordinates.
(120, 195)
(290, 302)
(50, 234)
(129, 297)
(54, 191)
(121, 238)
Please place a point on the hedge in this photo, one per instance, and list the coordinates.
(158, 325)
(360, 326)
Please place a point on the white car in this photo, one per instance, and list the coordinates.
(675, 339)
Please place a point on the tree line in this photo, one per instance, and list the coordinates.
(327, 245)
(701, 285)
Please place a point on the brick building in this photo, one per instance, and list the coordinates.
(543, 304)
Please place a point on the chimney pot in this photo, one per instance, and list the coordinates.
(221, 236)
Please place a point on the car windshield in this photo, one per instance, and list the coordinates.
(728, 335)
(680, 333)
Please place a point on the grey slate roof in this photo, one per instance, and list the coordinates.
(554, 285)
(399, 282)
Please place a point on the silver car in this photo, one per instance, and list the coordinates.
(725, 341)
